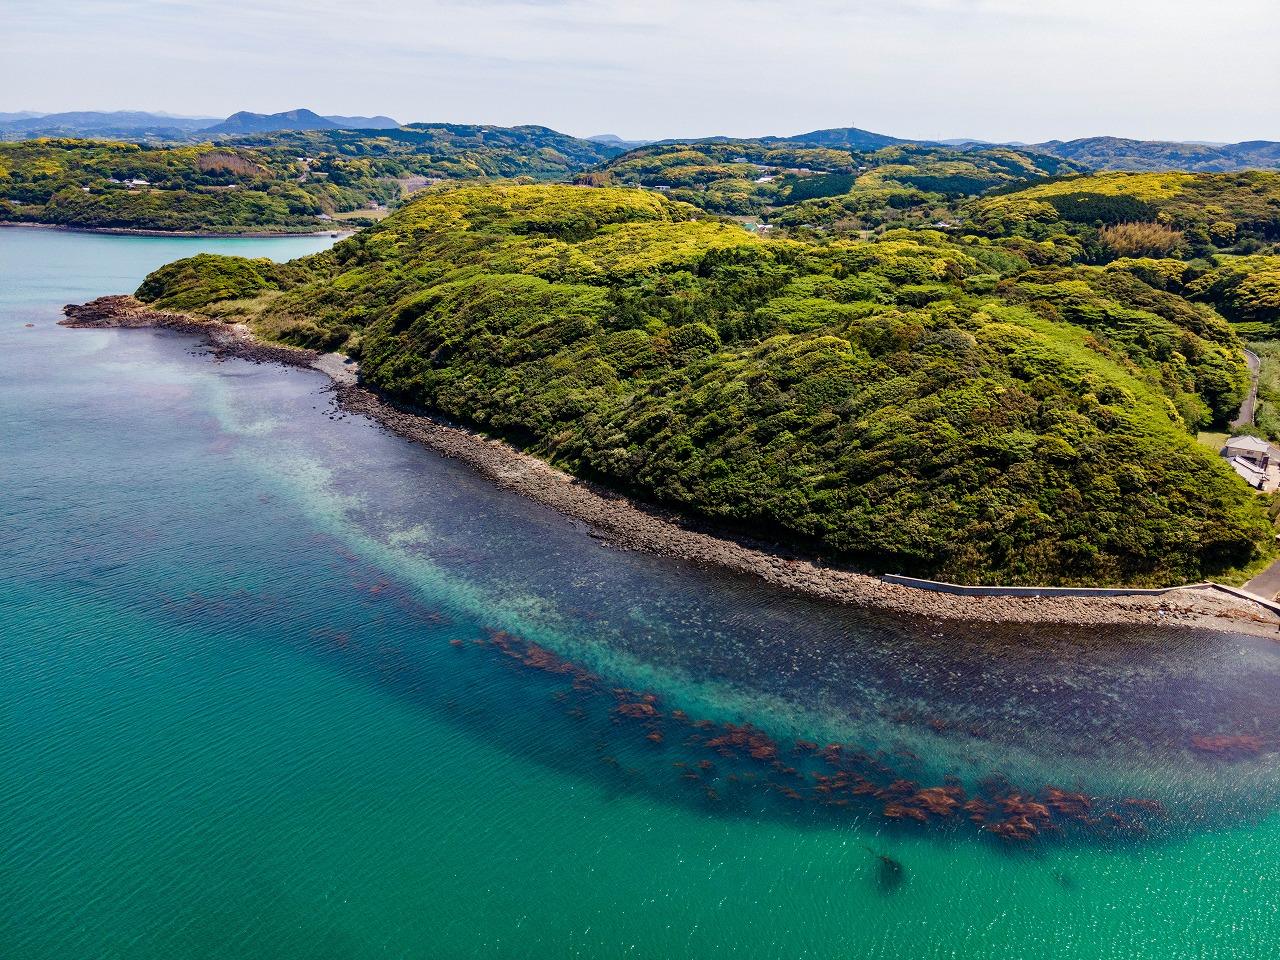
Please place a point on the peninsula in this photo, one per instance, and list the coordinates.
(950, 407)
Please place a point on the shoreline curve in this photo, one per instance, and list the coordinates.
(204, 234)
(626, 524)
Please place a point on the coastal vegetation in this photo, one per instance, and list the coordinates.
(879, 368)
(967, 406)
(101, 184)
(292, 181)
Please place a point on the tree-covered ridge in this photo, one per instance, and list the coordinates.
(87, 183)
(1244, 289)
(1119, 153)
(288, 181)
(1211, 212)
(969, 409)
(448, 150)
(795, 184)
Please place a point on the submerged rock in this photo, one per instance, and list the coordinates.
(640, 711)
(890, 873)
(900, 811)
(1228, 744)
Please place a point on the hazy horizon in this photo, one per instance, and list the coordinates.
(1000, 70)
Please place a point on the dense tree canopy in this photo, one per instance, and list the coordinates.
(976, 408)
(1214, 211)
(792, 184)
(280, 182)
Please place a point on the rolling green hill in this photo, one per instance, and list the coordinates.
(795, 185)
(1206, 237)
(1119, 153)
(451, 150)
(1211, 210)
(978, 409)
(281, 182)
(103, 184)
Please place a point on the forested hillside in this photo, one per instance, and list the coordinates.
(1090, 153)
(798, 185)
(1210, 238)
(280, 182)
(975, 408)
(452, 150)
(1119, 153)
(1200, 213)
(86, 183)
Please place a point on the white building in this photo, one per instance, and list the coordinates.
(1255, 461)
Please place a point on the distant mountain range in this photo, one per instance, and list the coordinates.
(134, 124)
(95, 123)
(839, 138)
(1117, 153)
(846, 138)
(246, 122)
(1098, 153)
(613, 140)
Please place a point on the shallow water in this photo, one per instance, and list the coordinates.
(278, 684)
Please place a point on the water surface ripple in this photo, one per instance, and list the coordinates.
(278, 684)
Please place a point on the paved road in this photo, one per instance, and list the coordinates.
(1245, 416)
(1267, 583)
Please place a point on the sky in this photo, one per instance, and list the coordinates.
(1007, 70)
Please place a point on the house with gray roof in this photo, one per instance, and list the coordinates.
(1255, 460)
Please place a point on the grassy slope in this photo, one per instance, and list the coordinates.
(870, 401)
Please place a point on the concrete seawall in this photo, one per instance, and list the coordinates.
(966, 590)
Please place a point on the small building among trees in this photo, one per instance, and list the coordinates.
(1255, 460)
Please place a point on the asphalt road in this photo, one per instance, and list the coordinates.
(1267, 583)
(1245, 416)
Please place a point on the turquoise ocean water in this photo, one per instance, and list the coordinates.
(276, 684)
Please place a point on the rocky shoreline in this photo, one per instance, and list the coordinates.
(205, 234)
(629, 525)
(224, 340)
